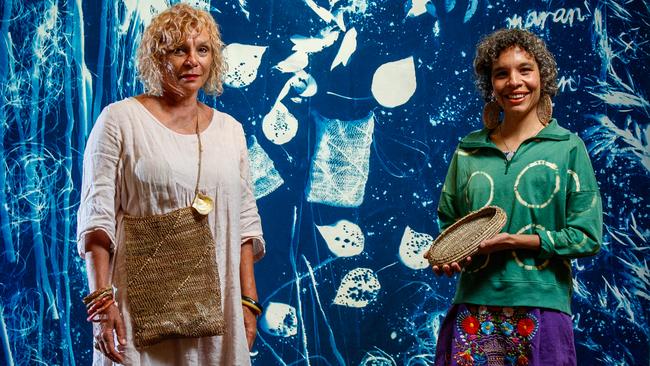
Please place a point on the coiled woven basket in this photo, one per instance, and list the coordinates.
(463, 237)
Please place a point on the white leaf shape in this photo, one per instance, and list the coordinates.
(348, 46)
(279, 125)
(339, 19)
(295, 62)
(393, 84)
(418, 7)
(279, 320)
(412, 248)
(304, 84)
(243, 62)
(358, 288)
(315, 44)
(321, 12)
(344, 238)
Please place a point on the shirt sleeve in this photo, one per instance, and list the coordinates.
(250, 222)
(99, 199)
(582, 235)
(448, 211)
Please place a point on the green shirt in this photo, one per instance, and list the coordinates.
(548, 189)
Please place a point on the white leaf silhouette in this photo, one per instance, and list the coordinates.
(394, 83)
(243, 62)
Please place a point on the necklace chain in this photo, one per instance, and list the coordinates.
(504, 141)
(509, 152)
(198, 137)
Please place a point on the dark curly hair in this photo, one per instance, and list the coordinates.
(491, 46)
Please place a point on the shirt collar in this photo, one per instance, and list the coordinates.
(481, 138)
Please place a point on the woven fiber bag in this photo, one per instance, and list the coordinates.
(173, 284)
(463, 237)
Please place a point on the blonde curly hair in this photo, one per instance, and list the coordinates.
(168, 31)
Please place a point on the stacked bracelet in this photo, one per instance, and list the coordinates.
(255, 306)
(97, 295)
(98, 302)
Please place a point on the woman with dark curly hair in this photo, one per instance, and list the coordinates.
(513, 300)
(167, 221)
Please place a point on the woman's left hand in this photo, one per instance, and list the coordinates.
(250, 325)
(505, 241)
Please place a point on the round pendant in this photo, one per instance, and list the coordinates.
(203, 204)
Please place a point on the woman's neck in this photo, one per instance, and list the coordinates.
(514, 130)
(178, 103)
(178, 114)
(519, 128)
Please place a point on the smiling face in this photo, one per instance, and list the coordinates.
(516, 83)
(188, 65)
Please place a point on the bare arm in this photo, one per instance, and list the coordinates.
(505, 241)
(249, 289)
(98, 259)
(247, 272)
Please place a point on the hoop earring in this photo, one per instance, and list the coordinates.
(491, 112)
(545, 109)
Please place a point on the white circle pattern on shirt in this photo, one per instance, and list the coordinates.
(519, 262)
(489, 178)
(555, 189)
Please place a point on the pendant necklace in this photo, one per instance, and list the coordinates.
(511, 153)
(202, 203)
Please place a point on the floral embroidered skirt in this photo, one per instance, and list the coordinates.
(473, 335)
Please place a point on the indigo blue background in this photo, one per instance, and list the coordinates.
(328, 304)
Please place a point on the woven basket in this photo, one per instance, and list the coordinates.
(463, 238)
(173, 285)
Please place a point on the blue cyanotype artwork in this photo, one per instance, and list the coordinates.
(264, 177)
(352, 110)
(340, 162)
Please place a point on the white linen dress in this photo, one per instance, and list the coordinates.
(134, 165)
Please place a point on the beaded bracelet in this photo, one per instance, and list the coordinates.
(255, 306)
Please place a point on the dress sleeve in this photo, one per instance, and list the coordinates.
(99, 199)
(448, 211)
(249, 218)
(582, 235)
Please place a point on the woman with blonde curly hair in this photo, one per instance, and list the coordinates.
(167, 221)
(513, 299)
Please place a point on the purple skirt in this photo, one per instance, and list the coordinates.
(473, 335)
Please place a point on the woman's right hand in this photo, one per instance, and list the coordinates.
(452, 268)
(106, 329)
